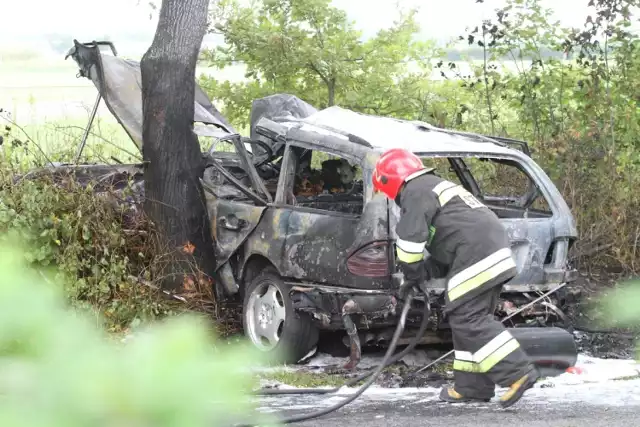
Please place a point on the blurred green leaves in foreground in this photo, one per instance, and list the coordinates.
(57, 368)
(621, 306)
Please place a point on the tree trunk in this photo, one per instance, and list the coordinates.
(174, 198)
(331, 86)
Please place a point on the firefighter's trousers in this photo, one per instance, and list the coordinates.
(485, 352)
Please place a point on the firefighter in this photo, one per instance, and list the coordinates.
(464, 235)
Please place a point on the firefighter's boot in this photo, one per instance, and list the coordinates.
(517, 389)
(450, 395)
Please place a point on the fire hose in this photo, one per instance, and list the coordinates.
(412, 344)
(387, 360)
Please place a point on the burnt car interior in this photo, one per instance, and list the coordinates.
(326, 182)
(229, 178)
(316, 179)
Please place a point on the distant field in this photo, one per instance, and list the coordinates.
(53, 105)
(41, 90)
(46, 89)
(36, 91)
(45, 97)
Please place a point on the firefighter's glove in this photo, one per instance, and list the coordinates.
(414, 275)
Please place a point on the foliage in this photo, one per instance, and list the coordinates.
(304, 379)
(101, 247)
(84, 237)
(569, 92)
(309, 47)
(577, 113)
(96, 236)
(98, 255)
(621, 305)
(58, 369)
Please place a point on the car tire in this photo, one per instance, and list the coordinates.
(271, 323)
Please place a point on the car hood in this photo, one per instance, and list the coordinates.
(119, 82)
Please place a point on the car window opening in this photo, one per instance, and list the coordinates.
(226, 190)
(328, 182)
(503, 185)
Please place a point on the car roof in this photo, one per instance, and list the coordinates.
(383, 133)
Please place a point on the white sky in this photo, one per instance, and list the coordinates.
(93, 19)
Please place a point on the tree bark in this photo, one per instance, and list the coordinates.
(332, 92)
(174, 198)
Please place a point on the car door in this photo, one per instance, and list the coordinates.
(236, 198)
(324, 231)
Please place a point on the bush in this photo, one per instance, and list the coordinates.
(85, 237)
(58, 369)
(109, 259)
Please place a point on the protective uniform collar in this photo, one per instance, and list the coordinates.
(411, 177)
(419, 173)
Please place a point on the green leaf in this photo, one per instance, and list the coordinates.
(621, 305)
(173, 373)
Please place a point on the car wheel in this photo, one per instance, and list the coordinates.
(271, 323)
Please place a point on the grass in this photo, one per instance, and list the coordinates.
(304, 379)
(52, 105)
(628, 377)
(443, 367)
(60, 139)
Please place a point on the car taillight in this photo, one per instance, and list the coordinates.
(371, 260)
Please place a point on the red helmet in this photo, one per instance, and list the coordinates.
(393, 168)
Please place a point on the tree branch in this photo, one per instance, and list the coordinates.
(319, 73)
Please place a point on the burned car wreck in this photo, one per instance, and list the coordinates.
(300, 235)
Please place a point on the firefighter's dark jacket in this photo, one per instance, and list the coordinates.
(458, 231)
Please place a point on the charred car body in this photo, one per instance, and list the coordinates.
(302, 238)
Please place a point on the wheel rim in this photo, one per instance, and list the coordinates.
(265, 314)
